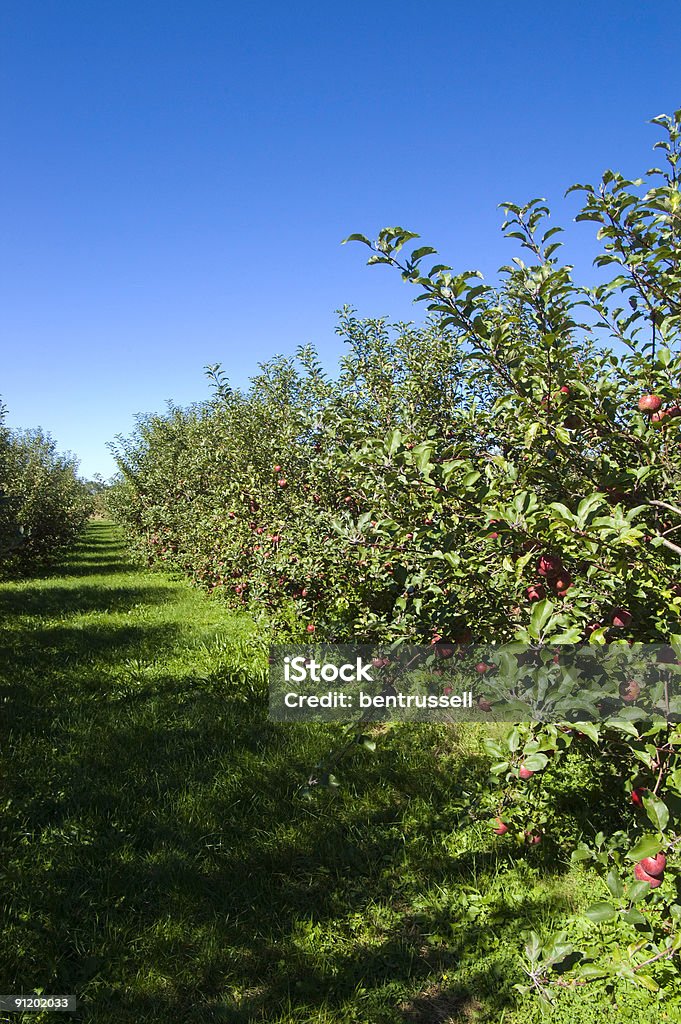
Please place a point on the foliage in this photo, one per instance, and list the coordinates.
(508, 471)
(43, 504)
(587, 428)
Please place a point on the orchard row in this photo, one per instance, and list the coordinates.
(414, 496)
(509, 471)
(43, 504)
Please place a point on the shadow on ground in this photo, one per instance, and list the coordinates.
(163, 866)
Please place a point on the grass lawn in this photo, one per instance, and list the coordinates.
(159, 862)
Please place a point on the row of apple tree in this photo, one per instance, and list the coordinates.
(43, 503)
(511, 470)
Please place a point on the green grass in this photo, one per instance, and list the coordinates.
(159, 862)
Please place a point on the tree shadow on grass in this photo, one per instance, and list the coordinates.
(60, 601)
(163, 866)
(188, 857)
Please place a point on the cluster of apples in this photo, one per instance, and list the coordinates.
(653, 404)
(556, 575)
(281, 479)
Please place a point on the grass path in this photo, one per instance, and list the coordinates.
(157, 861)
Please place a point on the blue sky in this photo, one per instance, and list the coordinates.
(177, 177)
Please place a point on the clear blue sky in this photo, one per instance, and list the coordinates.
(177, 177)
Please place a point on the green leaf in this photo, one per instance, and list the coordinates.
(531, 433)
(356, 238)
(647, 846)
(423, 250)
(393, 441)
(580, 854)
(657, 811)
(634, 916)
(590, 972)
(638, 890)
(664, 356)
(600, 912)
(614, 883)
(533, 948)
(587, 505)
(569, 636)
(621, 725)
(563, 511)
(535, 762)
(589, 729)
(645, 981)
(541, 613)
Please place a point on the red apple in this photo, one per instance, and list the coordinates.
(637, 796)
(654, 865)
(444, 649)
(482, 667)
(483, 704)
(630, 690)
(277, 469)
(562, 584)
(493, 535)
(310, 627)
(642, 875)
(501, 827)
(649, 403)
(282, 483)
(621, 618)
(535, 592)
(549, 565)
(525, 773)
